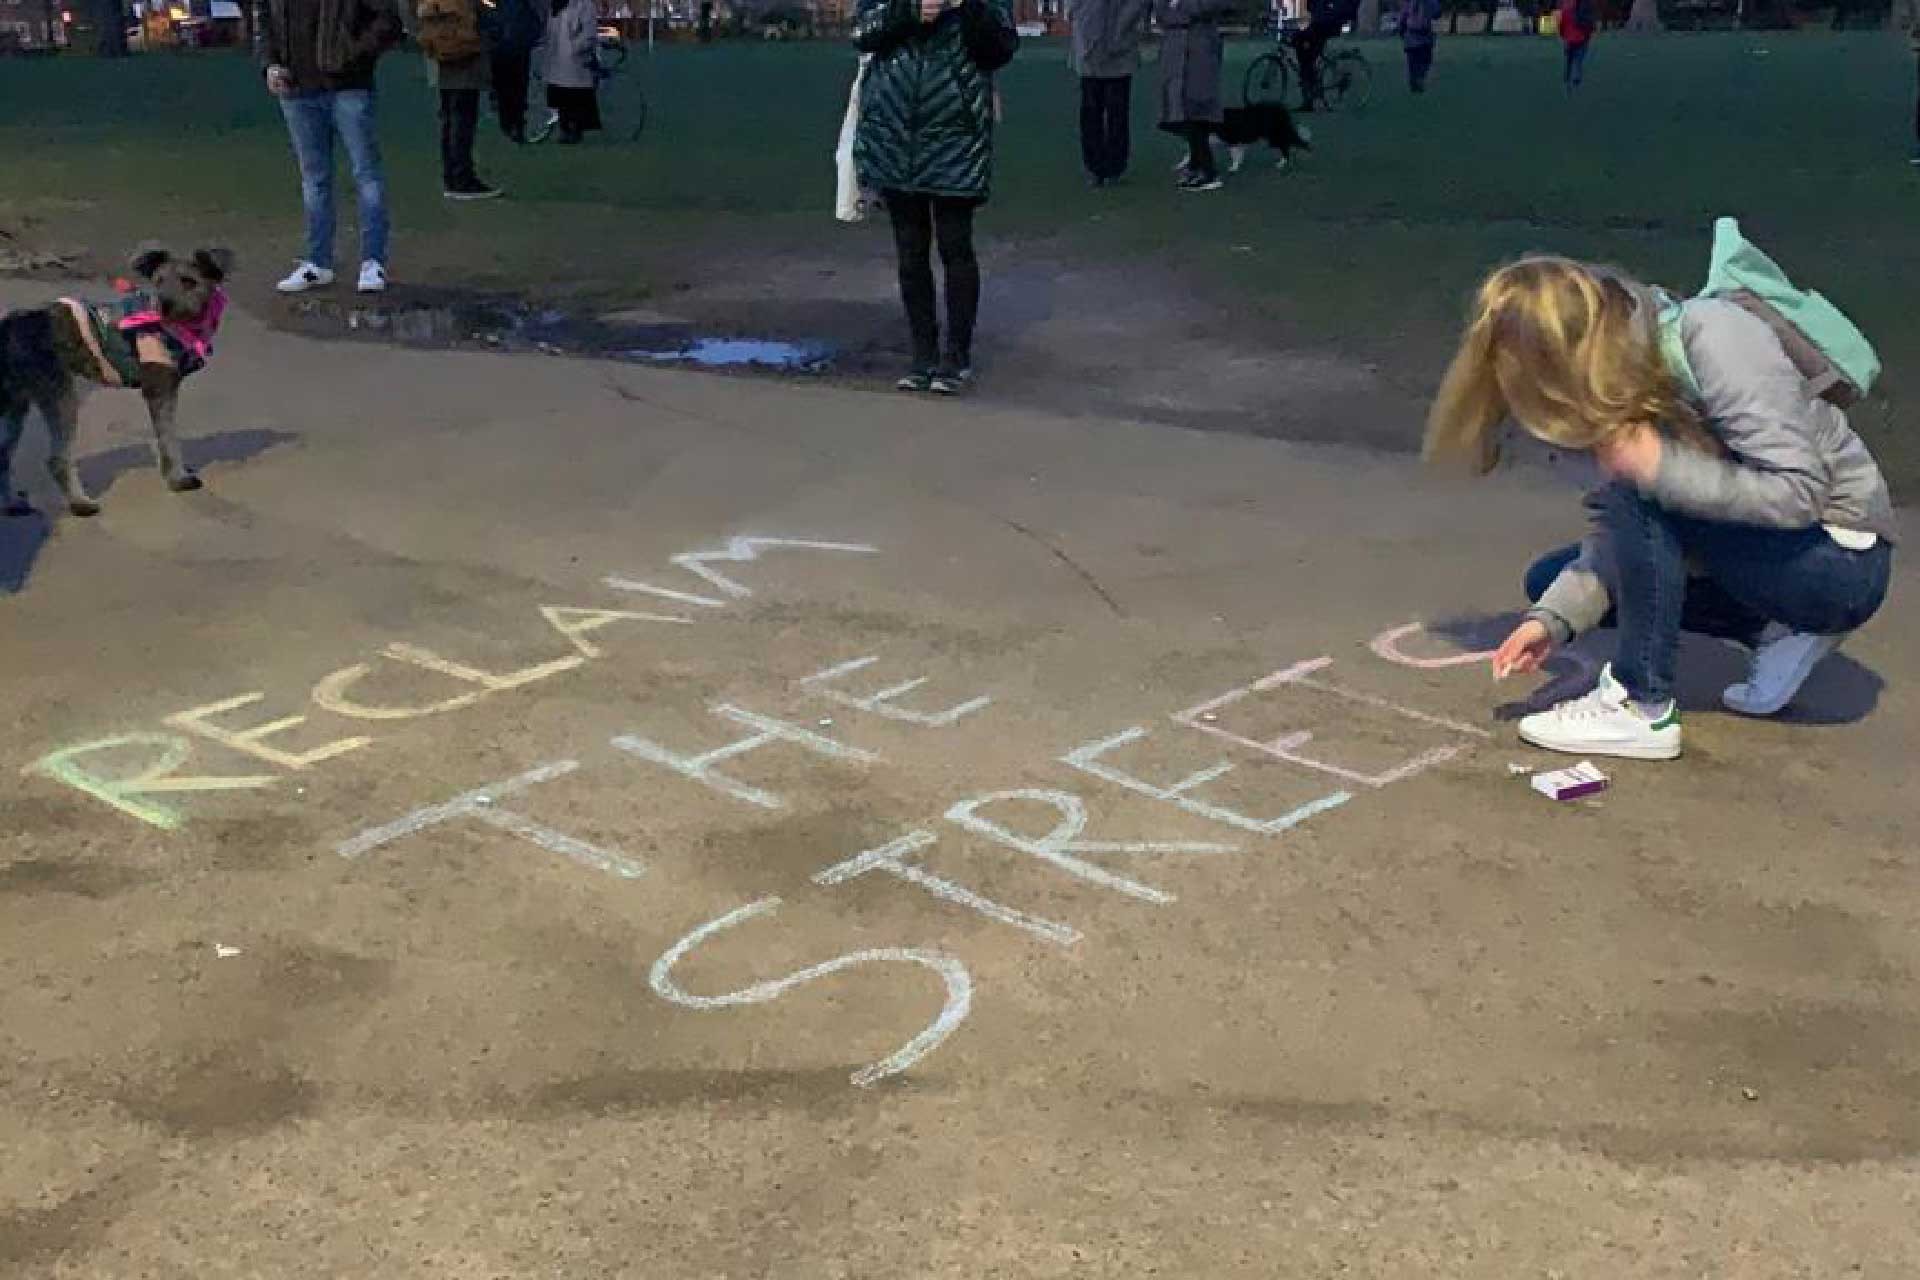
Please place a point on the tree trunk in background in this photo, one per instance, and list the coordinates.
(1368, 23)
(53, 24)
(1645, 16)
(110, 28)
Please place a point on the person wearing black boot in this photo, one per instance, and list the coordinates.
(925, 142)
(521, 24)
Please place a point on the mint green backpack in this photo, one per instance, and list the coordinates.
(1828, 349)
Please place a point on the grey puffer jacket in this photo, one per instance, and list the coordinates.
(1793, 462)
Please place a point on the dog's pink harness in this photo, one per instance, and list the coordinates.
(192, 340)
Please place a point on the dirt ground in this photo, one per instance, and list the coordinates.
(536, 817)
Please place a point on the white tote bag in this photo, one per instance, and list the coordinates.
(849, 202)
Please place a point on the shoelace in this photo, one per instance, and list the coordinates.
(1593, 706)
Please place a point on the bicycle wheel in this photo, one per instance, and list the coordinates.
(1346, 82)
(1269, 79)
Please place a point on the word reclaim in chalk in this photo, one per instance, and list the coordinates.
(133, 772)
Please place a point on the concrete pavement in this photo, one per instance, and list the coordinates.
(538, 818)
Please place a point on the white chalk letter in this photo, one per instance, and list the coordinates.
(892, 859)
(959, 986)
(700, 768)
(482, 805)
(1087, 759)
(881, 703)
(746, 550)
(1058, 846)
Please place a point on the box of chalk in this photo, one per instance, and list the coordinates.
(1582, 779)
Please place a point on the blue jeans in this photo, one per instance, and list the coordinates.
(1749, 576)
(313, 120)
(1576, 65)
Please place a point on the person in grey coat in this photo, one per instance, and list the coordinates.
(1105, 54)
(1735, 501)
(1191, 50)
(573, 67)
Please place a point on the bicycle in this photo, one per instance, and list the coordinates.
(1346, 77)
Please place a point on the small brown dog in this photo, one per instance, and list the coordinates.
(158, 334)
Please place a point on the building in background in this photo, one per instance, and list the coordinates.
(32, 24)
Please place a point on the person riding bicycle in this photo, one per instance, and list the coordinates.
(1325, 20)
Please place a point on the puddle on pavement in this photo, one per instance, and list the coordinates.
(512, 324)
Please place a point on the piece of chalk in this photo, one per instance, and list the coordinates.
(1581, 780)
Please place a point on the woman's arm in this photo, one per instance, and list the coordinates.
(990, 35)
(880, 25)
(1755, 401)
(1580, 598)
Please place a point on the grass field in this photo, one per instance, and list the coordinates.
(1369, 246)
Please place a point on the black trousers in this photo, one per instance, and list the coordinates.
(919, 221)
(1419, 64)
(1106, 124)
(1200, 160)
(512, 69)
(1309, 43)
(459, 117)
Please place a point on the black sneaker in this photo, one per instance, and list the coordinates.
(474, 190)
(1201, 182)
(916, 380)
(952, 379)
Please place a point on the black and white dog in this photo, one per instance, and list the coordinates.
(1242, 128)
(158, 333)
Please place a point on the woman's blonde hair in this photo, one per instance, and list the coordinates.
(1566, 350)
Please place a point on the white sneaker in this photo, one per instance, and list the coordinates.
(1606, 723)
(306, 276)
(1781, 663)
(373, 277)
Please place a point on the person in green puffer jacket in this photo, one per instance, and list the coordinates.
(925, 142)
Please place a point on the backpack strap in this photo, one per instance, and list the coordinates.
(1672, 341)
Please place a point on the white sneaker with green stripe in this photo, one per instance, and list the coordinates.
(1606, 723)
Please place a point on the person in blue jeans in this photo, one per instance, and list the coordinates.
(1747, 509)
(320, 57)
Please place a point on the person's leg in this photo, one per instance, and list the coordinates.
(1799, 578)
(953, 225)
(1092, 128)
(1542, 572)
(1308, 47)
(310, 124)
(1119, 120)
(1200, 162)
(1649, 596)
(354, 119)
(912, 217)
(511, 69)
(448, 174)
(1708, 611)
(466, 124)
(1807, 589)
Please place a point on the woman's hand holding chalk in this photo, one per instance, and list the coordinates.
(1525, 651)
